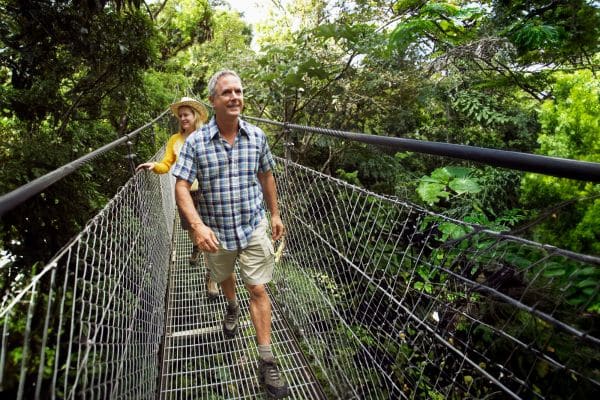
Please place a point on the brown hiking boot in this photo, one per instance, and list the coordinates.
(269, 376)
(230, 322)
(212, 290)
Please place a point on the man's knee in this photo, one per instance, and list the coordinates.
(257, 291)
(229, 280)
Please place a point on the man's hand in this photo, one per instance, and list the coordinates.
(205, 238)
(277, 228)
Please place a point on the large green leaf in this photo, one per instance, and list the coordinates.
(458, 172)
(431, 193)
(442, 175)
(464, 185)
(451, 230)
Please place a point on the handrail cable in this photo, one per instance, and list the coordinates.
(554, 166)
(12, 199)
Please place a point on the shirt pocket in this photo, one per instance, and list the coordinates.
(213, 168)
(248, 163)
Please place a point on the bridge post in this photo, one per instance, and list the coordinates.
(131, 156)
(287, 143)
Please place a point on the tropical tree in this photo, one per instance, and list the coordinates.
(490, 65)
(75, 76)
(569, 210)
(229, 48)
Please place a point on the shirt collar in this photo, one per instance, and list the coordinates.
(213, 129)
(244, 129)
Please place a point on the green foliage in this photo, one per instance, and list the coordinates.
(443, 22)
(466, 194)
(350, 177)
(87, 58)
(183, 24)
(476, 105)
(532, 36)
(447, 71)
(351, 36)
(569, 129)
(570, 123)
(559, 32)
(501, 44)
(229, 45)
(586, 234)
(447, 183)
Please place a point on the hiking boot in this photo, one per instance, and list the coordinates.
(212, 290)
(230, 322)
(269, 376)
(195, 257)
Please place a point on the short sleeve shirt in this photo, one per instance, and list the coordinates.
(231, 199)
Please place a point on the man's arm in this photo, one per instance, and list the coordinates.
(203, 236)
(267, 182)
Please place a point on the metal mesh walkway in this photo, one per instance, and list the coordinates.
(199, 362)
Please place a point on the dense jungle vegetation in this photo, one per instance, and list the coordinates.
(517, 75)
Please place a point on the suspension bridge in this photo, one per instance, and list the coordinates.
(370, 301)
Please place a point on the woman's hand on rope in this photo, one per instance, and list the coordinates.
(149, 166)
(204, 237)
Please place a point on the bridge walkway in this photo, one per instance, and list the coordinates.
(199, 362)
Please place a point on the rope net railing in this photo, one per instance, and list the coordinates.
(387, 307)
(380, 301)
(90, 323)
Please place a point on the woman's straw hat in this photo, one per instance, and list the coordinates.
(195, 104)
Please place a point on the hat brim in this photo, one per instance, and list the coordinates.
(203, 113)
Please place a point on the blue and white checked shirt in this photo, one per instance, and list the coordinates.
(231, 199)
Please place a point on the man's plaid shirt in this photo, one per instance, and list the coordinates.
(231, 199)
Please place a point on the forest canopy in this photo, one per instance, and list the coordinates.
(515, 75)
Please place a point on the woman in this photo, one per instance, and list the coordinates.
(191, 115)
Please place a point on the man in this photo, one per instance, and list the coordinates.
(232, 161)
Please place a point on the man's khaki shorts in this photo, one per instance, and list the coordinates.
(256, 260)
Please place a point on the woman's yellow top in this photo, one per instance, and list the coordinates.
(174, 146)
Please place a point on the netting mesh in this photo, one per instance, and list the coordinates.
(90, 324)
(373, 300)
(388, 307)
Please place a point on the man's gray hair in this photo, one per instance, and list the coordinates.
(212, 83)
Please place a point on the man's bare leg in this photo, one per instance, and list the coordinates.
(230, 322)
(260, 312)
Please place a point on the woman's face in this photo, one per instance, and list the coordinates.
(186, 118)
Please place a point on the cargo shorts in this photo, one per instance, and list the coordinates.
(256, 260)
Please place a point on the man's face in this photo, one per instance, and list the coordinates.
(228, 100)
